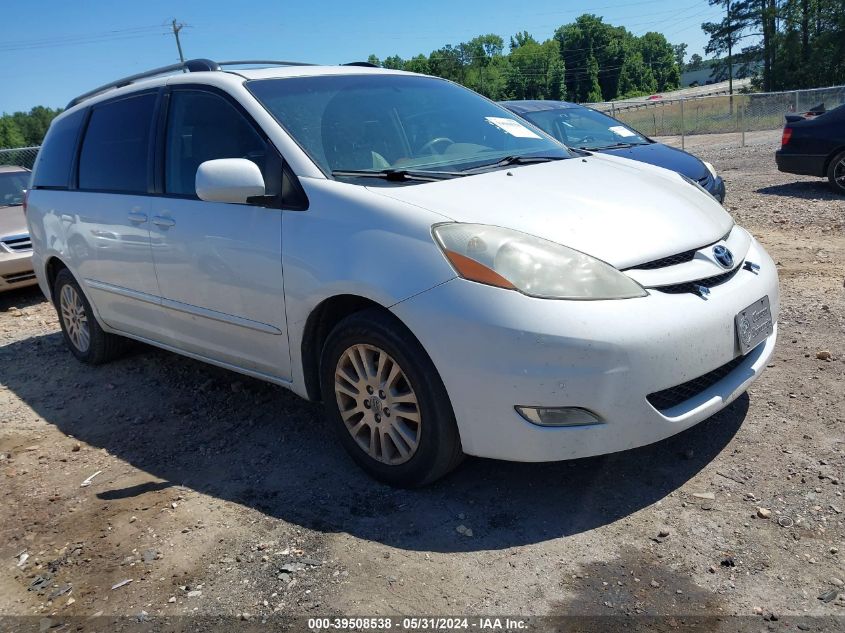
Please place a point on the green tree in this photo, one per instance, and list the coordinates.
(10, 134)
(447, 62)
(393, 62)
(584, 61)
(418, 64)
(635, 78)
(535, 70)
(659, 57)
(33, 124)
(695, 62)
(680, 51)
(593, 86)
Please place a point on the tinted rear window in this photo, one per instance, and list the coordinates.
(56, 154)
(114, 152)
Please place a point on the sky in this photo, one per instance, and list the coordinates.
(53, 50)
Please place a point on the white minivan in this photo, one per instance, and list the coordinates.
(444, 276)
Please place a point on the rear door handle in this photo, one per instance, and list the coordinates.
(137, 217)
(163, 222)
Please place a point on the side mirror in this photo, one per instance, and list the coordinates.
(231, 180)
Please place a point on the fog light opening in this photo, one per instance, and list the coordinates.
(558, 416)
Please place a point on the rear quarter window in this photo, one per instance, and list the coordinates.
(114, 152)
(52, 169)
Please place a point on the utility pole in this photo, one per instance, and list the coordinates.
(730, 52)
(176, 28)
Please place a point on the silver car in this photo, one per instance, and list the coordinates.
(15, 245)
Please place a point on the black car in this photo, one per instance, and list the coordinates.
(584, 128)
(815, 147)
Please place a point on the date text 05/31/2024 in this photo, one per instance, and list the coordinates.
(417, 624)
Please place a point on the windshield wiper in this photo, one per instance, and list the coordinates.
(397, 175)
(513, 160)
(614, 146)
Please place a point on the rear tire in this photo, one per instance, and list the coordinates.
(836, 173)
(386, 401)
(83, 335)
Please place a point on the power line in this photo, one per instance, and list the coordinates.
(74, 40)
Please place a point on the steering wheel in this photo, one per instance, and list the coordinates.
(430, 149)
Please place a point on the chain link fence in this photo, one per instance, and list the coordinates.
(20, 156)
(738, 116)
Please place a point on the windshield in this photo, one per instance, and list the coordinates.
(12, 184)
(397, 122)
(585, 128)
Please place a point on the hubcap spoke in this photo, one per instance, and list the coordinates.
(377, 404)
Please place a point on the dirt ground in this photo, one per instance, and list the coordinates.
(220, 495)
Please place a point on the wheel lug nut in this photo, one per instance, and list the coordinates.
(378, 418)
(366, 404)
(369, 390)
(382, 395)
(387, 412)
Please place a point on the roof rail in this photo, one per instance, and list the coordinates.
(263, 62)
(192, 65)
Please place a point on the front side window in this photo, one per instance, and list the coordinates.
(204, 126)
(585, 128)
(114, 152)
(397, 122)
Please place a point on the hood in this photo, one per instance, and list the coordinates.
(618, 210)
(664, 156)
(12, 221)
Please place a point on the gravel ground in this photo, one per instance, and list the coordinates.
(219, 495)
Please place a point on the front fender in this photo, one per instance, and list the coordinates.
(353, 242)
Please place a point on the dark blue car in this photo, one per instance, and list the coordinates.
(588, 129)
(814, 145)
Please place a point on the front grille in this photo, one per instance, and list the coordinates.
(17, 278)
(673, 396)
(692, 286)
(18, 243)
(663, 262)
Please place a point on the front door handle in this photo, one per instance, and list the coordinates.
(137, 217)
(163, 222)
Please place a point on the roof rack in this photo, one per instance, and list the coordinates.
(191, 66)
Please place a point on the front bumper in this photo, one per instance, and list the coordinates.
(16, 270)
(497, 348)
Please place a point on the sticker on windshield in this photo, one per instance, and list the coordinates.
(514, 128)
(620, 130)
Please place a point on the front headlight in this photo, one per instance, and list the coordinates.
(710, 168)
(536, 267)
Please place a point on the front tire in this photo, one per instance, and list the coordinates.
(83, 335)
(386, 401)
(836, 173)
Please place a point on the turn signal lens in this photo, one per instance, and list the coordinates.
(471, 269)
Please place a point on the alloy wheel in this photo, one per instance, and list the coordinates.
(377, 403)
(74, 318)
(839, 174)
